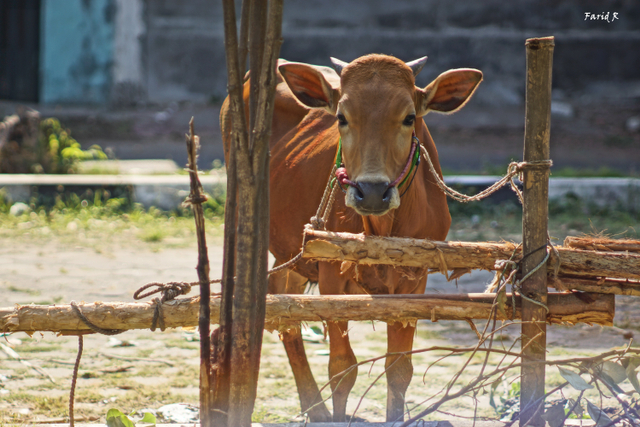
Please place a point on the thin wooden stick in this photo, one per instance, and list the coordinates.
(196, 198)
(137, 359)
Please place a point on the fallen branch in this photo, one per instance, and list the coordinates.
(285, 311)
(137, 359)
(442, 256)
(14, 355)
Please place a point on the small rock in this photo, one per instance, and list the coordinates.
(72, 226)
(562, 109)
(19, 208)
(475, 219)
(162, 116)
(494, 224)
(633, 124)
(179, 413)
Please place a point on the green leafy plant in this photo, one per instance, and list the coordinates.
(60, 152)
(115, 418)
(509, 400)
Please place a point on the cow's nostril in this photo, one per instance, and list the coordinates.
(386, 197)
(359, 193)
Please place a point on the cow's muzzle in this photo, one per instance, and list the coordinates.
(372, 198)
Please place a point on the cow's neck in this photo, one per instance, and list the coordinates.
(405, 221)
(379, 225)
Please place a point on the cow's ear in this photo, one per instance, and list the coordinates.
(448, 92)
(310, 86)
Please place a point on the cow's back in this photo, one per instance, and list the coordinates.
(303, 146)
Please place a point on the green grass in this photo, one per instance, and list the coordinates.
(572, 216)
(38, 348)
(52, 406)
(32, 292)
(100, 220)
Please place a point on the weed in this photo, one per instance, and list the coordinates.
(39, 348)
(50, 405)
(32, 292)
(153, 235)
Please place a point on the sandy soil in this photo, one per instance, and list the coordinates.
(53, 270)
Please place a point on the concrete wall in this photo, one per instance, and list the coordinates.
(128, 73)
(185, 50)
(129, 51)
(77, 50)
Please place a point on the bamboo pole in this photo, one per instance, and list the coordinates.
(286, 311)
(534, 228)
(442, 256)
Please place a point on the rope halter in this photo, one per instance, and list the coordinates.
(412, 162)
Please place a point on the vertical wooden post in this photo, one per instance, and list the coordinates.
(236, 54)
(240, 338)
(534, 227)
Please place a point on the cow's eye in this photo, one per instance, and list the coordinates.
(342, 120)
(409, 120)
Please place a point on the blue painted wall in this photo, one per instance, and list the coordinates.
(76, 50)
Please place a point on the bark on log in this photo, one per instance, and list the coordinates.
(602, 244)
(285, 311)
(602, 286)
(332, 246)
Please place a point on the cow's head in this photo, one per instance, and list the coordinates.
(376, 104)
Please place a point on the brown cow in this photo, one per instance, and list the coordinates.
(373, 105)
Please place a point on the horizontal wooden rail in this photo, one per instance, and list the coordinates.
(332, 246)
(286, 310)
(602, 286)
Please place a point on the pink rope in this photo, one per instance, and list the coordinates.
(409, 161)
(343, 176)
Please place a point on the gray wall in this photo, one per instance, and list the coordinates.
(185, 51)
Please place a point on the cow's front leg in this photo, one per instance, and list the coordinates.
(341, 359)
(399, 368)
(290, 282)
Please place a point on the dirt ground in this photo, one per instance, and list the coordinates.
(143, 369)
